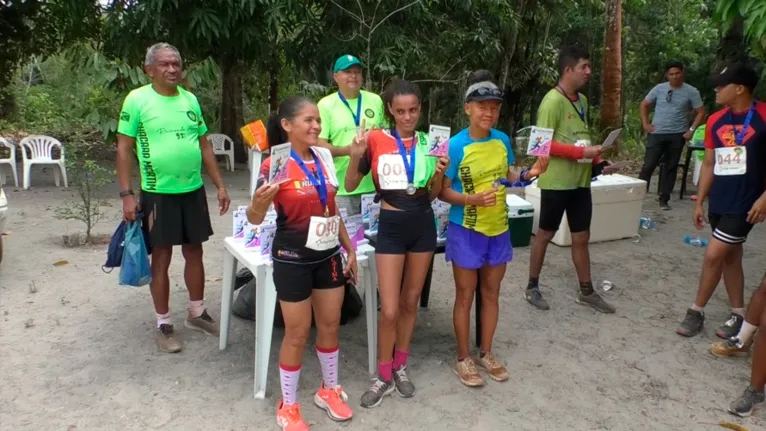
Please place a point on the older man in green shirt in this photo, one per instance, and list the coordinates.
(161, 125)
(343, 114)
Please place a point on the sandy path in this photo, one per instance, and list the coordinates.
(77, 351)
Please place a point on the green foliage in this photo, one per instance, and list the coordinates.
(88, 177)
(754, 14)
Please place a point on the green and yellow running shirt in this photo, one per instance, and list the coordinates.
(167, 132)
(557, 112)
(339, 128)
(474, 167)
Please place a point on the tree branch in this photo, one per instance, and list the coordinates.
(392, 13)
(353, 15)
(445, 81)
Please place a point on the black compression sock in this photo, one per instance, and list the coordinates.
(586, 288)
(532, 283)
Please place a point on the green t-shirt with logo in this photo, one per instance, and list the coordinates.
(339, 129)
(167, 132)
(557, 112)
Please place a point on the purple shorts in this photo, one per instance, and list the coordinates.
(472, 250)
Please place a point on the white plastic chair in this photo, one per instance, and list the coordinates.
(219, 142)
(9, 161)
(41, 153)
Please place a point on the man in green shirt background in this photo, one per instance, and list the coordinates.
(565, 186)
(342, 114)
(161, 125)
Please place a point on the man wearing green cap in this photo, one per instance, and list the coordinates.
(343, 115)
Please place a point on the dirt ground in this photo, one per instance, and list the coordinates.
(77, 351)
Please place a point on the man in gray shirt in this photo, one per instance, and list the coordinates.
(674, 104)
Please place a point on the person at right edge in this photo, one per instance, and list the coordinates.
(738, 345)
(732, 176)
(565, 186)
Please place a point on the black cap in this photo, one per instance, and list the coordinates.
(737, 74)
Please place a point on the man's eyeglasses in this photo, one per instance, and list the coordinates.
(669, 96)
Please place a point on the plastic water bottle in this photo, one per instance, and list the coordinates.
(695, 241)
(647, 223)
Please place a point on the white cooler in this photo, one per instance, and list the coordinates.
(617, 204)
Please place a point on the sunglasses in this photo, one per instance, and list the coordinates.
(486, 91)
(669, 96)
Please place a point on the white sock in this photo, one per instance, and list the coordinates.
(163, 319)
(196, 308)
(288, 377)
(328, 359)
(740, 311)
(696, 308)
(746, 332)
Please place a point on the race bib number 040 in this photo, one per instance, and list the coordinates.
(730, 161)
(391, 172)
(323, 233)
(583, 143)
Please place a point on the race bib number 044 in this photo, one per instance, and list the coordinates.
(323, 233)
(730, 161)
(391, 172)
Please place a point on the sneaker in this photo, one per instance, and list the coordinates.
(374, 396)
(731, 327)
(404, 386)
(665, 206)
(730, 347)
(692, 324)
(495, 369)
(744, 405)
(534, 297)
(167, 340)
(289, 417)
(466, 370)
(203, 323)
(595, 301)
(334, 402)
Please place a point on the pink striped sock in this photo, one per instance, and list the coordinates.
(288, 377)
(400, 358)
(328, 360)
(385, 370)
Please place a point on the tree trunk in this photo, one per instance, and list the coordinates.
(611, 75)
(231, 114)
(273, 89)
(732, 47)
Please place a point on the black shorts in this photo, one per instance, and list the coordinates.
(576, 203)
(295, 281)
(176, 219)
(400, 232)
(730, 228)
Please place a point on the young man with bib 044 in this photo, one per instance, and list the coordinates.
(733, 177)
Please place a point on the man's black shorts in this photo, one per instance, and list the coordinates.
(730, 228)
(176, 219)
(400, 232)
(295, 281)
(577, 204)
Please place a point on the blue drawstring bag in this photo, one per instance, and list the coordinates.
(117, 245)
(134, 269)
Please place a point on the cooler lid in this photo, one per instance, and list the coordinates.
(516, 202)
(616, 181)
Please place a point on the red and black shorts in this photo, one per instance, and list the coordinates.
(295, 281)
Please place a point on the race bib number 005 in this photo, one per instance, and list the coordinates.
(323, 233)
(583, 143)
(391, 172)
(730, 161)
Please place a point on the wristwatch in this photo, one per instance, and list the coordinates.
(128, 192)
(691, 129)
